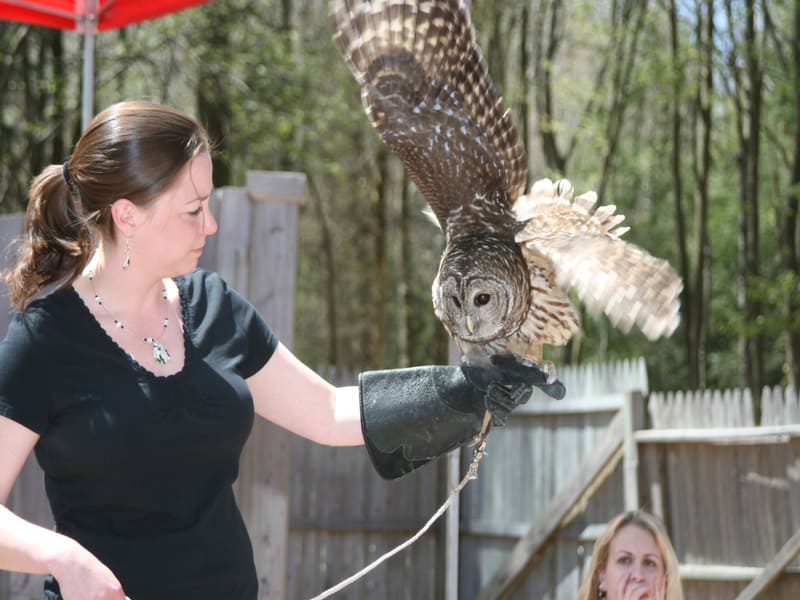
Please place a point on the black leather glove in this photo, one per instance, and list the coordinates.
(411, 416)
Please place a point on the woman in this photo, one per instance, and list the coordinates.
(633, 560)
(135, 377)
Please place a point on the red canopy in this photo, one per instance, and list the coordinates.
(88, 17)
(75, 14)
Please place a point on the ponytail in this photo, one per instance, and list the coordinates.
(57, 242)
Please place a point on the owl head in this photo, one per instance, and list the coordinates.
(482, 291)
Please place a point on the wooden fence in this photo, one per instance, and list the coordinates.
(727, 488)
(728, 491)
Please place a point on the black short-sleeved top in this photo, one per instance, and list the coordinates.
(138, 468)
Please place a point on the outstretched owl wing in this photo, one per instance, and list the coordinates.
(426, 89)
(608, 274)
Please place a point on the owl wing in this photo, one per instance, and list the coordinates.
(427, 91)
(609, 275)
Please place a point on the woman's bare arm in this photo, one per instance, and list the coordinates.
(288, 393)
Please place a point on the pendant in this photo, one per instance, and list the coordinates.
(160, 353)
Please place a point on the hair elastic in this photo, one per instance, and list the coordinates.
(65, 173)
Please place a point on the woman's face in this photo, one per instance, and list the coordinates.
(179, 221)
(635, 567)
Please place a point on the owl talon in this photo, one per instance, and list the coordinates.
(547, 366)
(550, 368)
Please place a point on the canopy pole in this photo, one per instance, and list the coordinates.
(87, 94)
(89, 22)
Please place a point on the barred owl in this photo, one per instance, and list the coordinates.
(509, 258)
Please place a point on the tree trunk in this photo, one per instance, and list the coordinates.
(58, 150)
(213, 103)
(380, 266)
(329, 258)
(624, 50)
(405, 330)
(496, 49)
(700, 299)
(789, 223)
(524, 60)
(747, 100)
(677, 188)
(751, 165)
(547, 40)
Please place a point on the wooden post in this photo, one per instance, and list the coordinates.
(264, 476)
(228, 252)
(633, 417)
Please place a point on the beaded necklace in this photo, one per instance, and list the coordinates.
(160, 353)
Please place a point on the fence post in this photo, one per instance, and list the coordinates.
(264, 478)
(633, 419)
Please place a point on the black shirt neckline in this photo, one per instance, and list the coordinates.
(134, 364)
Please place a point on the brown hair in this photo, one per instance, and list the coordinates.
(133, 150)
(590, 587)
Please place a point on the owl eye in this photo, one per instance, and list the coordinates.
(482, 299)
(455, 301)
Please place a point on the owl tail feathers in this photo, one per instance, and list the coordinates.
(412, 416)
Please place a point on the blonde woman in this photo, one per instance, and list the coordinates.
(633, 560)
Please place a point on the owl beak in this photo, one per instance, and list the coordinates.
(470, 325)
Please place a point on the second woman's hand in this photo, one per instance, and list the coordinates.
(631, 588)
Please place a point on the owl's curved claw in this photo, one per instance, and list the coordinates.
(549, 367)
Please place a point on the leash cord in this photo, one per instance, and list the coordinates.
(472, 473)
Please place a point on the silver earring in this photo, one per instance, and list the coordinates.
(127, 262)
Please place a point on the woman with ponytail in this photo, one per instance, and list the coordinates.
(135, 378)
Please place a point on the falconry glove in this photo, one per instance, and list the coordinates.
(411, 416)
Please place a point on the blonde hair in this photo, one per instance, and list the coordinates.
(133, 150)
(590, 587)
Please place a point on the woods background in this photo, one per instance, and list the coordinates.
(683, 113)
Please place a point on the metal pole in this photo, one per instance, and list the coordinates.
(452, 530)
(87, 93)
(88, 26)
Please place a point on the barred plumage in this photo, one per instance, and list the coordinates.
(509, 258)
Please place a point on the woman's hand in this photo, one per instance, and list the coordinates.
(632, 589)
(81, 576)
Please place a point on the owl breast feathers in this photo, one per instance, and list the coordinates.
(509, 258)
